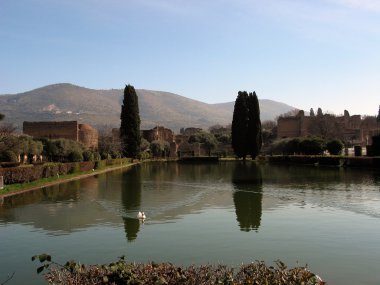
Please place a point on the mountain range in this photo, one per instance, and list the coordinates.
(99, 108)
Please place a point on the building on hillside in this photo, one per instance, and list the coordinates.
(350, 129)
(71, 130)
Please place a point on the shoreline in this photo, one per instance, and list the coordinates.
(64, 180)
(337, 161)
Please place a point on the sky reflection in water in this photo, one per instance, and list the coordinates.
(230, 213)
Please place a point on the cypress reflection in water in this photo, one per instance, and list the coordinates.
(131, 199)
(247, 181)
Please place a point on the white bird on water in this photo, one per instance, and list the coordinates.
(141, 215)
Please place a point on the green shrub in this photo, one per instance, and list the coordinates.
(75, 156)
(334, 147)
(116, 154)
(375, 149)
(307, 146)
(88, 155)
(97, 156)
(105, 155)
(75, 168)
(292, 146)
(145, 155)
(100, 164)
(8, 156)
(312, 146)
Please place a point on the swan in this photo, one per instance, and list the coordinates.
(141, 215)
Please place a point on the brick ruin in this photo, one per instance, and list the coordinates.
(179, 145)
(71, 130)
(348, 128)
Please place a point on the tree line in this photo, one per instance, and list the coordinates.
(246, 135)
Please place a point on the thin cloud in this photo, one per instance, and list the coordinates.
(371, 5)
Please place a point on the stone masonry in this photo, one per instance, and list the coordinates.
(71, 130)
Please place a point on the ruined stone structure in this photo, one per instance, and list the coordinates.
(88, 136)
(161, 133)
(183, 148)
(158, 133)
(352, 129)
(190, 131)
(71, 130)
(179, 145)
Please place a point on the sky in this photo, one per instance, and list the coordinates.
(305, 53)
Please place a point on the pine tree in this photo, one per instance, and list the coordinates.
(246, 126)
(130, 123)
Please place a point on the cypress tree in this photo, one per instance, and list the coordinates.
(254, 126)
(239, 126)
(246, 126)
(130, 123)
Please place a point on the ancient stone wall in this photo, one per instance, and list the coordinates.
(353, 129)
(158, 133)
(88, 136)
(63, 130)
(289, 127)
(52, 130)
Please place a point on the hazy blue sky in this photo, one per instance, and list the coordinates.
(306, 53)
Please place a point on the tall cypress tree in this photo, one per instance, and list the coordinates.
(254, 126)
(130, 123)
(246, 126)
(239, 126)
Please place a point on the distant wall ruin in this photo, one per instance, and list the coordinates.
(348, 128)
(71, 130)
(52, 130)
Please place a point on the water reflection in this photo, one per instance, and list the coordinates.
(169, 191)
(131, 200)
(248, 184)
(59, 192)
(59, 209)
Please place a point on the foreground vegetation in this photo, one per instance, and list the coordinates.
(122, 272)
(29, 177)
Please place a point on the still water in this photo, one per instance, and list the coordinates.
(230, 213)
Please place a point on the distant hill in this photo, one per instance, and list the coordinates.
(99, 108)
(269, 109)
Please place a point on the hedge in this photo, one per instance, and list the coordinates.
(31, 173)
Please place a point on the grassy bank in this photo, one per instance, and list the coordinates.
(13, 189)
